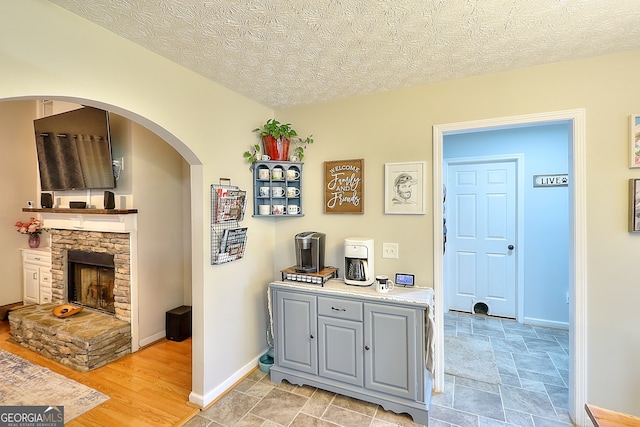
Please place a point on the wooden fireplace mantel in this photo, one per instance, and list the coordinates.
(109, 220)
(86, 211)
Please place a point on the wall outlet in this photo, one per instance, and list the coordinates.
(389, 250)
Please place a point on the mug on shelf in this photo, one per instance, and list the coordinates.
(264, 157)
(277, 174)
(278, 209)
(263, 173)
(293, 209)
(277, 192)
(293, 174)
(264, 209)
(383, 284)
(264, 191)
(293, 192)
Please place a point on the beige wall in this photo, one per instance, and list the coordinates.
(397, 127)
(18, 180)
(210, 127)
(207, 124)
(158, 196)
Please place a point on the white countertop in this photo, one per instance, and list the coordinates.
(410, 295)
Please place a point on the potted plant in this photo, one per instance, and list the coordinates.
(254, 156)
(277, 137)
(33, 228)
(300, 144)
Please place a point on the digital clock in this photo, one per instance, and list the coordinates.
(405, 279)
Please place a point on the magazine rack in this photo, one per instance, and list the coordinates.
(228, 239)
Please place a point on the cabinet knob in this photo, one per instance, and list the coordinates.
(311, 336)
(366, 347)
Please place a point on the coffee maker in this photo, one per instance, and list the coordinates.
(309, 252)
(358, 261)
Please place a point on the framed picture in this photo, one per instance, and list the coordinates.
(634, 205)
(405, 188)
(634, 141)
(344, 187)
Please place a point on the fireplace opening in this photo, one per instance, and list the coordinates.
(90, 280)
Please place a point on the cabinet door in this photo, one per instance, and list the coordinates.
(296, 331)
(390, 355)
(31, 283)
(340, 350)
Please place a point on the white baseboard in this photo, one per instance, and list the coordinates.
(202, 401)
(153, 338)
(548, 323)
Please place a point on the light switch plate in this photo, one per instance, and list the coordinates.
(389, 250)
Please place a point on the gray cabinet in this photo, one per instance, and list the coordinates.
(340, 340)
(367, 348)
(298, 348)
(391, 351)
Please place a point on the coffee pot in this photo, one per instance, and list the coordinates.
(358, 261)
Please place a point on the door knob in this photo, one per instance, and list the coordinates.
(510, 247)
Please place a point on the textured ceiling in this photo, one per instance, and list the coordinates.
(284, 53)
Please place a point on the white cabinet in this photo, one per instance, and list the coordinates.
(36, 276)
(359, 345)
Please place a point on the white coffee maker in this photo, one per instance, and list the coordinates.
(358, 261)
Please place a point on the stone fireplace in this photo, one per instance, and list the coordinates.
(93, 264)
(92, 268)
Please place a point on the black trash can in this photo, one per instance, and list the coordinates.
(178, 325)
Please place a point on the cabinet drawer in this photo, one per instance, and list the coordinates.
(45, 297)
(340, 308)
(36, 257)
(45, 278)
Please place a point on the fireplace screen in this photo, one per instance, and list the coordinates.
(91, 280)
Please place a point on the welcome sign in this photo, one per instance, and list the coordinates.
(344, 186)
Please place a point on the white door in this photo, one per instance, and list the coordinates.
(481, 236)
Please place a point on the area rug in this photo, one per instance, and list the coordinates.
(26, 384)
(470, 358)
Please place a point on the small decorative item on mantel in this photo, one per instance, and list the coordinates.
(33, 228)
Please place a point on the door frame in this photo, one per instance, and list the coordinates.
(577, 243)
(518, 159)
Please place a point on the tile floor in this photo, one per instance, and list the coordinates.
(532, 361)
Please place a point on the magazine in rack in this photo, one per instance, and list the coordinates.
(228, 239)
(232, 241)
(230, 206)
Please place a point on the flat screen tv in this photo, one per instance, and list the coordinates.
(74, 150)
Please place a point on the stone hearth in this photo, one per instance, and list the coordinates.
(83, 342)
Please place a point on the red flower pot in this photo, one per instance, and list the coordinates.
(276, 149)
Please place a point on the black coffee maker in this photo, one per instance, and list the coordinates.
(309, 252)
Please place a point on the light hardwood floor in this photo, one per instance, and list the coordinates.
(148, 388)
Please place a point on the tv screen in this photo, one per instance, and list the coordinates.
(74, 150)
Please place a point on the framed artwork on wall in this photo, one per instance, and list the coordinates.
(634, 205)
(405, 188)
(344, 187)
(634, 141)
